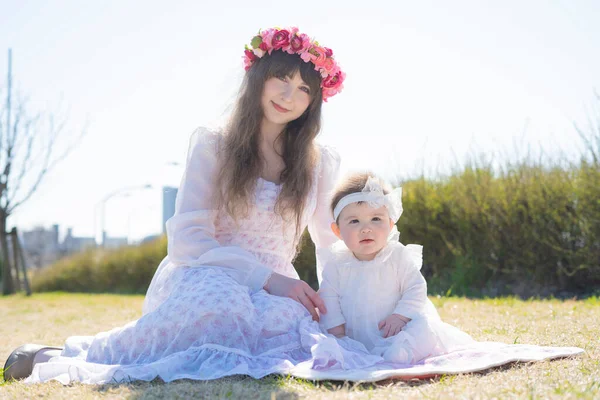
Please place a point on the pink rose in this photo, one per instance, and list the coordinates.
(247, 62)
(317, 55)
(280, 39)
(298, 43)
(267, 34)
(267, 38)
(306, 57)
(329, 66)
(327, 93)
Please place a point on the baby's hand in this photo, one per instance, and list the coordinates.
(393, 324)
(338, 331)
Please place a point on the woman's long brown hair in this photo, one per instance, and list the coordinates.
(240, 158)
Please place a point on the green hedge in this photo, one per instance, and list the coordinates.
(124, 270)
(526, 229)
(130, 269)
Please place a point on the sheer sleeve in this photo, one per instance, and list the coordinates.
(412, 284)
(319, 226)
(329, 292)
(191, 230)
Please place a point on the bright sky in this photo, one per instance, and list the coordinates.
(427, 82)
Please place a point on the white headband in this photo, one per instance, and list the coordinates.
(372, 193)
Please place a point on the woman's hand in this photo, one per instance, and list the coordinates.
(393, 324)
(298, 290)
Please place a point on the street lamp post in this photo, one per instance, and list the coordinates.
(112, 194)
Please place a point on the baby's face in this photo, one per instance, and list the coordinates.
(364, 229)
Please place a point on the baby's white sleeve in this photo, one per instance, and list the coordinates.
(329, 292)
(412, 284)
(319, 226)
(191, 230)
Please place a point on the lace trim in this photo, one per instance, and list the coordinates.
(217, 347)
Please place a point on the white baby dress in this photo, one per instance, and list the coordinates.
(360, 294)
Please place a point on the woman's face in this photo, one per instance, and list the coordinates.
(284, 99)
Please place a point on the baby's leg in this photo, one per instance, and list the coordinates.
(413, 343)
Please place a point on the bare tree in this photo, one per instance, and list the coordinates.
(29, 149)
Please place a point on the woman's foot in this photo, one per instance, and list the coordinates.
(19, 364)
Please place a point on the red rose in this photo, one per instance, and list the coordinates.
(251, 56)
(333, 81)
(328, 51)
(280, 39)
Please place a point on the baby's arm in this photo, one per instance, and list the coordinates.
(338, 331)
(413, 289)
(412, 285)
(333, 320)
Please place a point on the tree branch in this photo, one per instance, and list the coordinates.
(25, 166)
(48, 164)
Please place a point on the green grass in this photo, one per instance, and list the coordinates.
(49, 318)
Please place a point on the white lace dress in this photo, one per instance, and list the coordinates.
(360, 294)
(205, 314)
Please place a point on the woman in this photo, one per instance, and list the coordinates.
(226, 300)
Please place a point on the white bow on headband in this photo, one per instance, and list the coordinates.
(373, 195)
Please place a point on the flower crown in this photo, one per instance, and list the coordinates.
(293, 42)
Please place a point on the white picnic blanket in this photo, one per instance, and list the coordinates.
(476, 357)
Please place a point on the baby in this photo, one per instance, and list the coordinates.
(372, 285)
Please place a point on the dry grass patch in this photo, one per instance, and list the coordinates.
(51, 317)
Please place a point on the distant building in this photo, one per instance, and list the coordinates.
(42, 247)
(169, 196)
(115, 242)
(72, 244)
